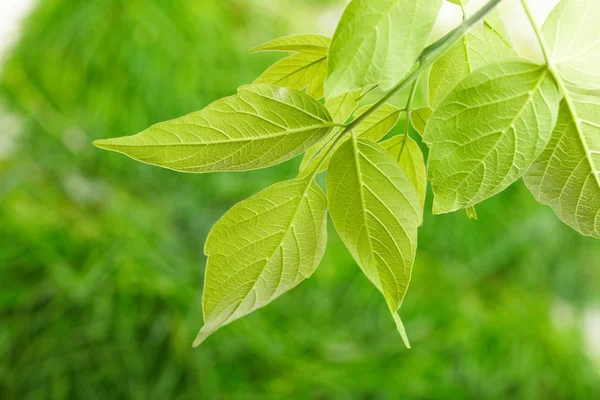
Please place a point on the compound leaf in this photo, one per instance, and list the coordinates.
(365, 46)
(572, 32)
(262, 248)
(260, 126)
(305, 70)
(567, 174)
(376, 211)
(409, 155)
(373, 127)
(488, 131)
(486, 43)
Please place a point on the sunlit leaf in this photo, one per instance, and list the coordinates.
(305, 70)
(572, 32)
(260, 126)
(261, 248)
(378, 42)
(486, 43)
(374, 127)
(567, 174)
(409, 155)
(376, 211)
(488, 131)
(419, 118)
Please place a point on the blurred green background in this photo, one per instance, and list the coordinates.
(101, 262)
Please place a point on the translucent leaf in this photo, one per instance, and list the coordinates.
(567, 174)
(262, 248)
(376, 211)
(365, 47)
(486, 43)
(419, 118)
(261, 126)
(374, 127)
(341, 107)
(572, 32)
(409, 155)
(488, 131)
(459, 2)
(305, 70)
(303, 43)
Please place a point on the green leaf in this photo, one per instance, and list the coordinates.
(261, 126)
(419, 118)
(488, 131)
(374, 127)
(341, 107)
(486, 43)
(378, 42)
(303, 43)
(261, 248)
(306, 70)
(459, 2)
(567, 174)
(471, 213)
(572, 32)
(376, 211)
(409, 155)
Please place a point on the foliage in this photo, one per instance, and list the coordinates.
(492, 117)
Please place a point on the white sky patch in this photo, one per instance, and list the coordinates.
(12, 13)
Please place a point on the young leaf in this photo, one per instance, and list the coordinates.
(303, 43)
(572, 32)
(374, 127)
(485, 44)
(567, 174)
(419, 118)
(376, 211)
(341, 107)
(409, 155)
(488, 131)
(261, 126)
(262, 248)
(307, 69)
(377, 42)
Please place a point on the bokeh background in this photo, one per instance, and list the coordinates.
(101, 262)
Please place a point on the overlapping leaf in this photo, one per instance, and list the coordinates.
(260, 126)
(261, 248)
(419, 118)
(373, 128)
(305, 70)
(377, 42)
(488, 131)
(485, 44)
(409, 155)
(572, 32)
(376, 211)
(567, 174)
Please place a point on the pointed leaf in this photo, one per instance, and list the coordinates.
(261, 126)
(485, 44)
(409, 155)
(488, 131)
(419, 118)
(376, 211)
(364, 49)
(262, 248)
(303, 43)
(567, 174)
(572, 32)
(341, 107)
(374, 127)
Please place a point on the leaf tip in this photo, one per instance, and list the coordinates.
(401, 329)
(201, 337)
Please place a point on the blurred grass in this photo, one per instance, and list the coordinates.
(101, 258)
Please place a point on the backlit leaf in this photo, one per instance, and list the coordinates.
(488, 131)
(409, 155)
(303, 43)
(378, 42)
(373, 128)
(419, 118)
(572, 32)
(260, 126)
(486, 43)
(261, 248)
(567, 174)
(376, 211)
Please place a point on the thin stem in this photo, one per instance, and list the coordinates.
(411, 97)
(540, 36)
